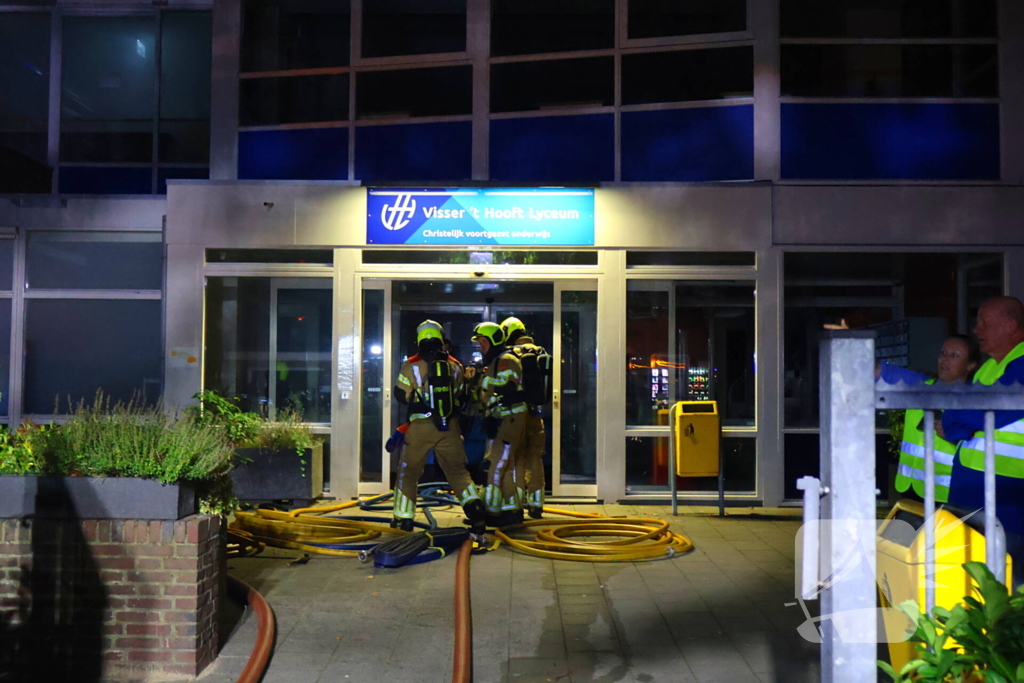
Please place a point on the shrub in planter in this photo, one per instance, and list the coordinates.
(274, 460)
(988, 630)
(112, 441)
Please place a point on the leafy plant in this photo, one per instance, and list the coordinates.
(894, 421)
(240, 427)
(988, 630)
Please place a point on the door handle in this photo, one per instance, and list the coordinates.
(554, 398)
(387, 395)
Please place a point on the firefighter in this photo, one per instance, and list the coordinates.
(530, 485)
(504, 423)
(429, 384)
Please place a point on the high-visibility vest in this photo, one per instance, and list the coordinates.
(911, 467)
(1009, 438)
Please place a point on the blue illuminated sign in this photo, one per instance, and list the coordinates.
(471, 216)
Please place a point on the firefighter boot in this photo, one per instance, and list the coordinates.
(476, 515)
(401, 524)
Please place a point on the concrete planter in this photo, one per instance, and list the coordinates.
(278, 474)
(55, 497)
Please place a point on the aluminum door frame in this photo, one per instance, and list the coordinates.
(277, 284)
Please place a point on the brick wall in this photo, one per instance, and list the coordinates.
(109, 599)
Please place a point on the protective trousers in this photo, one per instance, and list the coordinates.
(505, 459)
(531, 482)
(451, 456)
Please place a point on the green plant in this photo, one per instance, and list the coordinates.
(894, 420)
(241, 428)
(19, 449)
(988, 630)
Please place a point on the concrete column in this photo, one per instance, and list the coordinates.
(770, 451)
(227, 34)
(764, 22)
(611, 376)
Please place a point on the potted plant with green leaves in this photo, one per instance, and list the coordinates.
(110, 460)
(279, 460)
(979, 640)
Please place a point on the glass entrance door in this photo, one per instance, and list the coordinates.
(391, 310)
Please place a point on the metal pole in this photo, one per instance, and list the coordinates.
(996, 563)
(721, 473)
(929, 509)
(672, 444)
(847, 393)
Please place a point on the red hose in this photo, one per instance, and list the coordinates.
(462, 671)
(266, 627)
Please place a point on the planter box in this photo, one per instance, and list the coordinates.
(53, 497)
(278, 475)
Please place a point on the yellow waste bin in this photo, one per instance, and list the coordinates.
(901, 563)
(698, 434)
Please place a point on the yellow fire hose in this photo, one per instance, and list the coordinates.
(631, 539)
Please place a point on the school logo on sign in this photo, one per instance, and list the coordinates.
(477, 216)
(398, 215)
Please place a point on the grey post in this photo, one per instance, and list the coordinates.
(847, 395)
(929, 509)
(995, 560)
(673, 413)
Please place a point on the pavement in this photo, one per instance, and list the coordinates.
(717, 614)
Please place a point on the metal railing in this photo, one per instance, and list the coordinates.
(846, 491)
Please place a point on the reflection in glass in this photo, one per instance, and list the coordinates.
(5, 355)
(95, 260)
(579, 388)
(647, 389)
(25, 70)
(6, 264)
(279, 35)
(647, 467)
(303, 361)
(185, 61)
(237, 357)
(108, 96)
(293, 99)
(371, 438)
(75, 347)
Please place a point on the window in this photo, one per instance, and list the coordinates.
(5, 355)
(109, 113)
(280, 35)
(872, 19)
(439, 91)
(6, 264)
(687, 75)
(647, 467)
(413, 27)
(890, 70)
(522, 27)
(25, 70)
(659, 18)
(94, 260)
(293, 99)
(636, 259)
(502, 257)
(525, 86)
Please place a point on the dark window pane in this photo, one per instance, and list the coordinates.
(647, 470)
(293, 154)
(5, 355)
(889, 70)
(25, 70)
(689, 258)
(532, 258)
(424, 151)
(880, 19)
(75, 347)
(687, 75)
(417, 92)
(6, 267)
(371, 429)
(524, 86)
(413, 27)
(95, 260)
(553, 149)
(325, 256)
(108, 99)
(295, 99)
(185, 62)
(522, 27)
(656, 18)
(294, 34)
(105, 180)
(165, 174)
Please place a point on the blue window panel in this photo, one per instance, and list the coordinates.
(688, 145)
(105, 180)
(554, 148)
(303, 154)
(165, 174)
(416, 151)
(890, 141)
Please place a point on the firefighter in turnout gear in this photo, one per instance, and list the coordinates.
(430, 384)
(504, 423)
(536, 364)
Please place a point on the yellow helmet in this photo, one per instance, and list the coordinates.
(489, 331)
(511, 324)
(429, 329)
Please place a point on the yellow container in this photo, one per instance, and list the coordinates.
(901, 566)
(698, 433)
